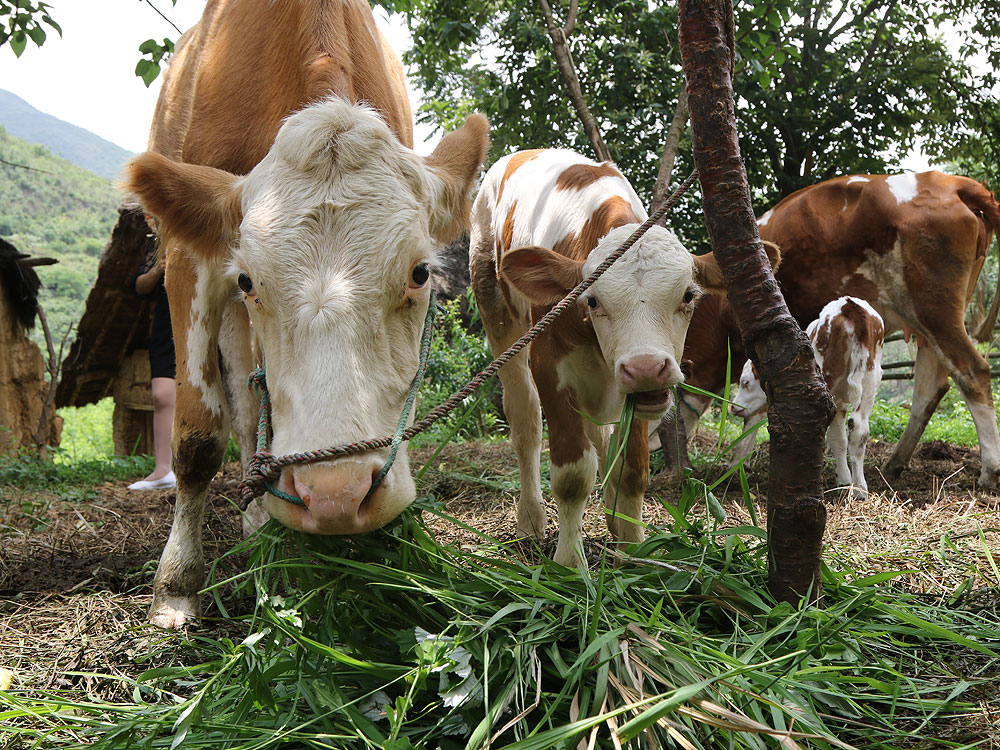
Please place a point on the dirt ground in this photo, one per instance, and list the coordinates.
(75, 569)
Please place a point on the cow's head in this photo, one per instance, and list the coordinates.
(640, 308)
(328, 241)
(749, 398)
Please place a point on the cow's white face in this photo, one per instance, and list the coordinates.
(640, 310)
(331, 257)
(749, 398)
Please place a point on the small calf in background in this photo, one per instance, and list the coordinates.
(847, 341)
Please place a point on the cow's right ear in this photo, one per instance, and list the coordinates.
(541, 275)
(195, 205)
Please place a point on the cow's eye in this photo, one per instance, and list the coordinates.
(592, 303)
(245, 283)
(421, 273)
(688, 297)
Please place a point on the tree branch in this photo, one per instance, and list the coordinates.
(564, 59)
(677, 127)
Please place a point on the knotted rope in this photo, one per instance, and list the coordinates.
(263, 467)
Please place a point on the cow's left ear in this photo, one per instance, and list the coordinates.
(541, 275)
(200, 206)
(457, 161)
(708, 274)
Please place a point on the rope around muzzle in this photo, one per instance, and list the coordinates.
(258, 380)
(264, 468)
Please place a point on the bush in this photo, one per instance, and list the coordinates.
(457, 354)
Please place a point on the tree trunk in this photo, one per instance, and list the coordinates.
(800, 407)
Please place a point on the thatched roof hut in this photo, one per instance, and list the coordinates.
(23, 387)
(115, 323)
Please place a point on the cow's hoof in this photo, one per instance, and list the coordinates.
(989, 480)
(857, 493)
(173, 612)
(892, 469)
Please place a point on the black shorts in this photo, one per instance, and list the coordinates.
(162, 363)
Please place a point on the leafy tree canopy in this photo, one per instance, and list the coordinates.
(823, 87)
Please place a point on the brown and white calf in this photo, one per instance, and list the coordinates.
(542, 221)
(912, 246)
(847, 342)
(283, 203)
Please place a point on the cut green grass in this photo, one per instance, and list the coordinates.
(392, 641)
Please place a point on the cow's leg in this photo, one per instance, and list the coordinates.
(744, 447)
(857, 440)
(244, 408)
(836, 438)
(599, 435)
(930, 383)
(676, 427)
(524, 415)
(971, 373)
(626, 484)
(201, 429)
(573, 461)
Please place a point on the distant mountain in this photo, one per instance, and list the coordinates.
(76, 145)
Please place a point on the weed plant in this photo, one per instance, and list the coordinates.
(458, 351)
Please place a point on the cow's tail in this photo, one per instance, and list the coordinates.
(982, 203)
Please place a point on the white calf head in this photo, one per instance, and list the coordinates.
(639, 309)
(331, 236)
(749, 398)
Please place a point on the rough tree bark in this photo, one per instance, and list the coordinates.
(564, 59)
(800, 407)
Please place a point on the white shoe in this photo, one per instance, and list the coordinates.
(166, 482)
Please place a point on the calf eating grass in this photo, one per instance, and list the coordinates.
(847, 341)
(543, 221)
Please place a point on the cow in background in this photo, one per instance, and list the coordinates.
(847, 341)
(283, 203)
(912, 246)
(543, 221)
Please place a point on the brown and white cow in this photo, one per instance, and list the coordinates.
(847, 342)
(542, 221)
(328, 233)
(912, 246)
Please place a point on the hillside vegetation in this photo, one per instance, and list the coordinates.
(53, 208)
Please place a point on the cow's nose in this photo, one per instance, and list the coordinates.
(647, 372)
(337, 498)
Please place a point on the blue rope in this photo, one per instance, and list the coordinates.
(404, 418)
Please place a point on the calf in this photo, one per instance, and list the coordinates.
(847, 340)
(542, 221)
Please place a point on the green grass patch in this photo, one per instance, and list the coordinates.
(393, 641)
(87, 432)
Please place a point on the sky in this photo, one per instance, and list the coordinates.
(86, 77)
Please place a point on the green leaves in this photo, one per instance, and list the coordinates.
(149, 68)
(24, 22)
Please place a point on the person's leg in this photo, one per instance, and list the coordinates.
(164, 391)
